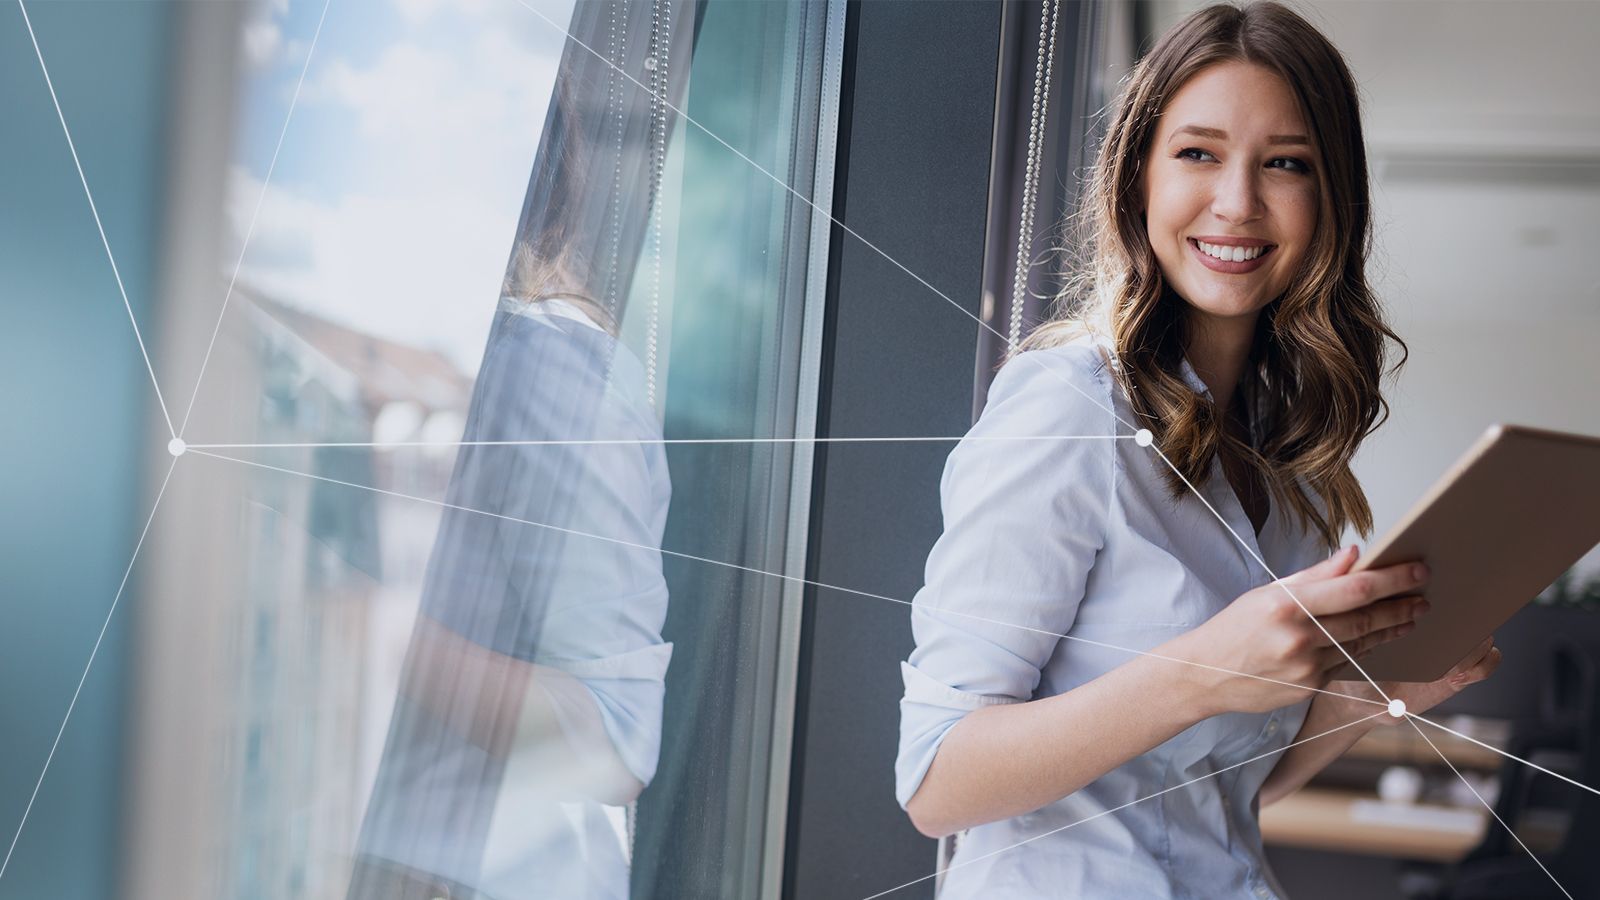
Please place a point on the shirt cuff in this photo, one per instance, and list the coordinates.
(628, 688)
(929, 709)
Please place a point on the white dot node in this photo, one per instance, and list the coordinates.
(176, 447)
(1143, 437)
(1397, 708)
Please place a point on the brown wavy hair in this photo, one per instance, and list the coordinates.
(1319, 349)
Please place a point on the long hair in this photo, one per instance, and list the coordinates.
(545, 261)
(534, 277)
(1319, 350)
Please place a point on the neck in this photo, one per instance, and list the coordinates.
(1219, 349)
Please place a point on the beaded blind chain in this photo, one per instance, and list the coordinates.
(658, 64)
(616, 54)
(1049, 12)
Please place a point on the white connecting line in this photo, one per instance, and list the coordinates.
(919, 279)
(82, 179)
(144, 352)
(93, 210)
(973, 617)
(1486, 805)
(576, 442)
(176, 432)
(1263, 563)
(946, 297)
(251, 229)
(956, 613)
(1493, 749)
(1107, 812)
(85, 676)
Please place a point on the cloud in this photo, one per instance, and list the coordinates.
(419, 12)
(411, 241)
(476, 106)
(263, 41)
(423, 266)
(490, 96)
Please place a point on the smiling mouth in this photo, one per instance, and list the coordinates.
(1231, 259)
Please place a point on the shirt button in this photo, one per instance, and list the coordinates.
(1272, 728)
(1261, 891)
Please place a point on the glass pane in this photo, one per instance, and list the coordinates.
(466, 594)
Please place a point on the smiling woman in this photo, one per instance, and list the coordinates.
(1225, 201)
(1229, 219)
(1241, 129)
(1224, 314)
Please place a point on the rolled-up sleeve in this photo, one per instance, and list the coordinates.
(558, 562)
(607, 596)
(628, 690)
(1025, 504)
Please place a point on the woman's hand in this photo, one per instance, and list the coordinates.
(1266, 634)
(1420, 697)
(1350, 710)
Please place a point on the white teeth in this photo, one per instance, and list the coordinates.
(1231, 254)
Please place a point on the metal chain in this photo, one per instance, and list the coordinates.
(1049, 12)
(618, 52)
(658, 61)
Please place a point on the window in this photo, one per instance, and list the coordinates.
(410, 623)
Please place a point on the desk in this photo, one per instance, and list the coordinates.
(1349, 818)
(1356, 822)
(1400, 744)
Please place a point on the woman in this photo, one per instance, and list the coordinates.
(1227, 313)
(530, 705)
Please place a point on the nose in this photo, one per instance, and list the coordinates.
(1237, 198)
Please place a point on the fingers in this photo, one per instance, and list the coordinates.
(1474, 661)
(1370, 642)
(1354, 590)
(1374, 617)
(1337, 564)
(1480, 670)
(1473, 657)
(1478, 652)
(1331, 657)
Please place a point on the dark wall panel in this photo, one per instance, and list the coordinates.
(898, 360)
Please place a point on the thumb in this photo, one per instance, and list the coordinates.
(1332, 567)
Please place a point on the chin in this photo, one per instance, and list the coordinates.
(1227, 308)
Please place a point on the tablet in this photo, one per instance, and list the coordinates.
(1520, 507)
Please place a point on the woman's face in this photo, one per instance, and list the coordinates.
(1231, 174)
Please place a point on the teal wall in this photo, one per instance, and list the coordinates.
(74, 405)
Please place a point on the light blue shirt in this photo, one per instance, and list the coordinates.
(507, 826)
(1082, 537)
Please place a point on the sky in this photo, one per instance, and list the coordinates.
(395, 195)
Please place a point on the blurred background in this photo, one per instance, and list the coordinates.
(312, 214)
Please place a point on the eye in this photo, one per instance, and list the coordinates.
(1186, 152)
(1293, 165)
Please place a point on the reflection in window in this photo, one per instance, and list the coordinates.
(454, 641)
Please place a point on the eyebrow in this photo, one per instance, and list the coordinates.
(1220, 135)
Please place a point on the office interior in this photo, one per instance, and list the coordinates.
(254, 265)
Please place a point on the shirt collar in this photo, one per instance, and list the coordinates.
(1185, 370)
(1191, 378)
